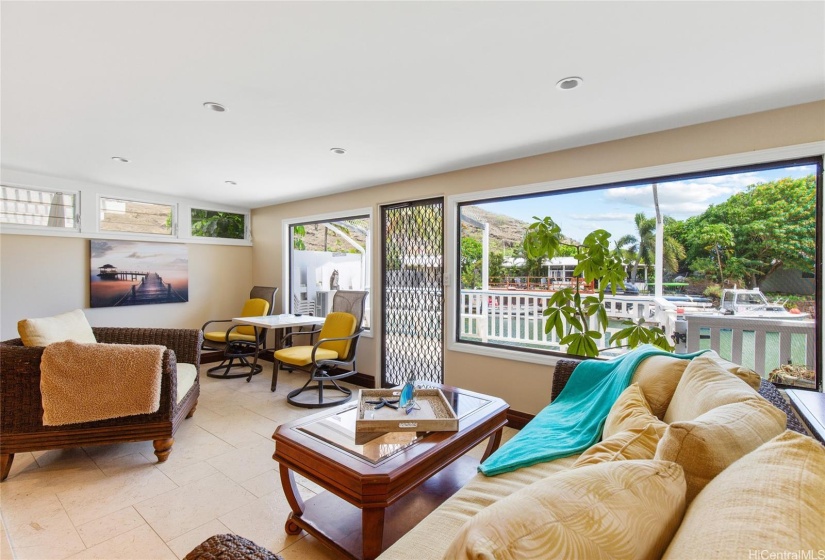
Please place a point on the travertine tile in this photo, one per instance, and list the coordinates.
(183, 544)
(192, 445)
(45, 533)
(262, 521)
(190, 506)
(242, 464)
(110, 526)
(188, 473)
(5, 545)
(138, 544)
(114, 493)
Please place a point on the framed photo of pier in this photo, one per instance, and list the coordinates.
(137, 273)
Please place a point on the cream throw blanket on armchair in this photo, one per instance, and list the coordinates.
(89, 382)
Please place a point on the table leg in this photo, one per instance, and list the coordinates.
(257, 352)
(492, 444)
(372, 531)
(294, 499)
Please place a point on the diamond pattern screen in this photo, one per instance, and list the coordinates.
(413, 246)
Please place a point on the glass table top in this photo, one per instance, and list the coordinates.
(338, 429)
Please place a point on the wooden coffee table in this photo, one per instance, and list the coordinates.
(380, 490)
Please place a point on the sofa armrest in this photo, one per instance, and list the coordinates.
(185, 343)
(564, 368)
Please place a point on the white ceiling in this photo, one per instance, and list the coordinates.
(409, 89)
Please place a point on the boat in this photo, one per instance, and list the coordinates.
(753, 304)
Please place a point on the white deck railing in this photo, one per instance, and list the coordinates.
(760, 344)
(515, 318)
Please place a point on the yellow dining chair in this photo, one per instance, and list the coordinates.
(335, 349)
(239, 343)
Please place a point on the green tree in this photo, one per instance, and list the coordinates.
(226, 225)
(773, 225)
(471, 263)
(642, 249)
(717, 239)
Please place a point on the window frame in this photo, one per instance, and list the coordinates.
(286, 257)
(247, 221)
(173, 233)
(87, 211)
(9, 227)
(805, 153)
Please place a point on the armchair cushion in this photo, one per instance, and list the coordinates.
(187, 374)
(302, 355)
(338, 325)
(47, 330)
(220, 336)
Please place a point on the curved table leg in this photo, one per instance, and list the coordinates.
(492, 444)
(293, 498)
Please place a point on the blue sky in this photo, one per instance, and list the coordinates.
(614, 209)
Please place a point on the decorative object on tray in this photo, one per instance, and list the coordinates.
(404, 410)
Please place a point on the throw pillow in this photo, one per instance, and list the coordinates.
(630, 411)
(745, 374)
(635, 443)
(60, 328)
(708, 445)
(768, 501)
(703, 387)
(623, 509)
(658, 377)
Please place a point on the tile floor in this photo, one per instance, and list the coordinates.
(116, 502)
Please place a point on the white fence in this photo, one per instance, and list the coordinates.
(760, 344)
(516, 319)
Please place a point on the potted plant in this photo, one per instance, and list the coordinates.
(569, 311)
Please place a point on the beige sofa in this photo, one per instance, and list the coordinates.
(693, 464)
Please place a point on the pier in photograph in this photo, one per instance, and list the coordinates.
(151, 289)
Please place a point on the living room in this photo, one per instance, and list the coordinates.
(768, 111)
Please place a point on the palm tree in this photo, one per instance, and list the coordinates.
(643, 248)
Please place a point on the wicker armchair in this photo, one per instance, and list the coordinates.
(21, 415)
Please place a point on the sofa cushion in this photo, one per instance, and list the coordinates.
(745, 374)
(658, 377)
(431, 537)
(704, 386)
(635, 443)
(187, 373)
(768, 501)
(630, 411)
(709, 444)
(623, 509)
(60, 328)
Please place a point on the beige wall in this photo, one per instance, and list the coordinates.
(42, 276)
(527, 386)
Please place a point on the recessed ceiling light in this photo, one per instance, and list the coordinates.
(339, 151)
(120, 159)
(230, 182)
(212, 106)
(569, 83)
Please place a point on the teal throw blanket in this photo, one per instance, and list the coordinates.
(574, 421)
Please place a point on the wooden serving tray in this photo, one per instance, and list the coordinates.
(435, 415)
